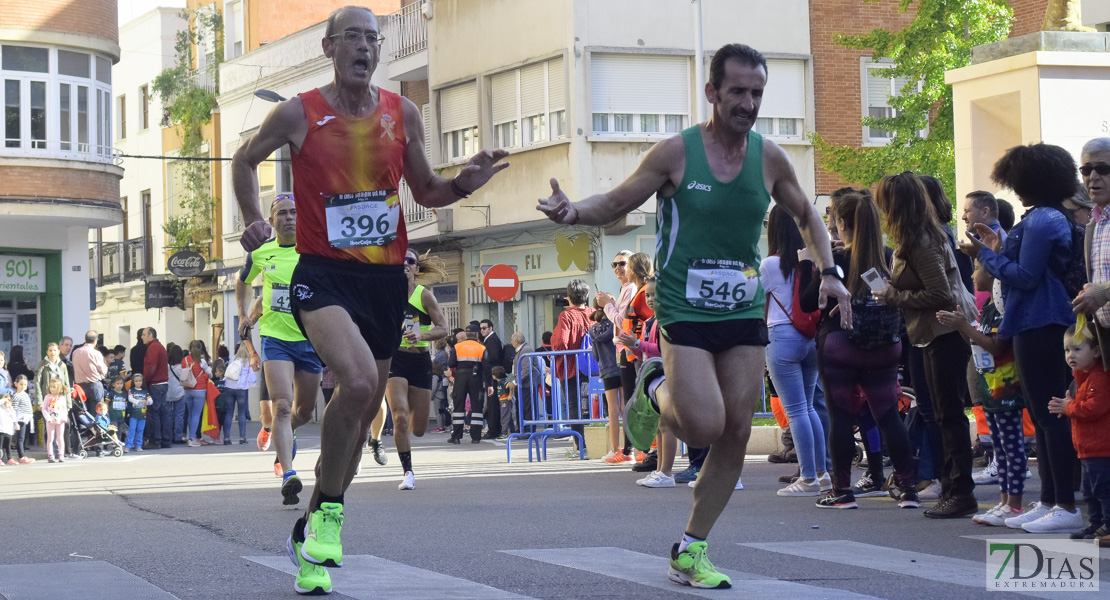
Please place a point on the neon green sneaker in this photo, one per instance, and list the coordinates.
(322, 545)
(312, 580)
(641, 419)
(692, 567)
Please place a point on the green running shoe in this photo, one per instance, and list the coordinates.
(692, 567)
(641, 419)
(312, 580)
(322, 545)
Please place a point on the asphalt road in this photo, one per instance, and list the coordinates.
(208, 523)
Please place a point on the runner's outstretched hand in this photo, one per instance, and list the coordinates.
(255, 235)
(480, 169)
(557, 206)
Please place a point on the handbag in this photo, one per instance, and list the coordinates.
(874, 325)
(234, 370)
(804, 322)
(189, 381)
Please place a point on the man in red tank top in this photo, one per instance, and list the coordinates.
(351, 143)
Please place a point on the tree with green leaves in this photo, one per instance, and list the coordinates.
(938, 39)
(188, 90)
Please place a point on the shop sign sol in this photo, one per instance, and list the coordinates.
(22, 274)
(186, 264)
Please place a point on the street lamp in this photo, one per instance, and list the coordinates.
(269, 95)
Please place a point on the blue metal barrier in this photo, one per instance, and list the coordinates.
(547, 406)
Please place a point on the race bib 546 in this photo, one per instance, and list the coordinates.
(721, 284)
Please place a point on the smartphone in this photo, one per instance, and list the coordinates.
(874, 280)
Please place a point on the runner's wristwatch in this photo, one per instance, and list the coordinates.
(835, 271)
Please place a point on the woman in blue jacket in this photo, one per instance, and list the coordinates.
(1031, 264)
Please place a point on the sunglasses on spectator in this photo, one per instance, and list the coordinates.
(1100, 168)
(619, 263)
(410, 260)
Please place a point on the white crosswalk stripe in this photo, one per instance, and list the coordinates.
(651, 571)
(968, 573)
(96, 580)
(366, 577)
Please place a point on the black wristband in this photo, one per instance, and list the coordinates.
(458, 191)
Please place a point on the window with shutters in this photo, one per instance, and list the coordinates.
(877, 91)
(458, 121)
(639, 94)
(783, 110)
(528, 105)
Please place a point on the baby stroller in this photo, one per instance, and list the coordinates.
(92, 436)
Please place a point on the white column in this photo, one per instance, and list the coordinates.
(75, 283)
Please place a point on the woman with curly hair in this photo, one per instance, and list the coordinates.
(922, 273)
(1030, 264)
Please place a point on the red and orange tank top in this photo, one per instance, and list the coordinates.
(345, 180)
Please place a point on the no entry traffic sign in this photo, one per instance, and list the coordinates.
(501, 283)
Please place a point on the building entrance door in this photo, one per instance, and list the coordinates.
(7, 334)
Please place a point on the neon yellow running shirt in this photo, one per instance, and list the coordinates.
(275, 262)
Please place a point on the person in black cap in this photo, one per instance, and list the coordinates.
(469, 360)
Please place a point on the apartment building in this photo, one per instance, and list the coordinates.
(61, 176)
(127, 261)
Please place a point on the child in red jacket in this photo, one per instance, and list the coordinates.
(1089, 411)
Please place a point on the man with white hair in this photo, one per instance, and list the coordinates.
(89, 370)
(1095, 169)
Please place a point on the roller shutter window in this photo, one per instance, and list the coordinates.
(458, 120)
(639, 94)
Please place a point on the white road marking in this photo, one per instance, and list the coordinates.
(957, 571)
(96, 580)
(366, 577)
(651, 571)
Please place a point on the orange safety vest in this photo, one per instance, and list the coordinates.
(470, 352)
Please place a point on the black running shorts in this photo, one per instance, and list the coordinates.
(415, 367)
(716, 337)
(373, 295)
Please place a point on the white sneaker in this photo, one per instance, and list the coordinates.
(1034, 512)
(1057, 520)
(995, 517)
(931, 492)
(739, 484)
(825, 481)
(988, 475)
(408, 483)
(976, 518)
(801, 488)
(657, 479)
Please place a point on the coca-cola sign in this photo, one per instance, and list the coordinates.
(186, 264)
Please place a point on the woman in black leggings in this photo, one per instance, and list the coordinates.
(1030, 264)
(921, 284)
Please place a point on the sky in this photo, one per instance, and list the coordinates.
(130, 9)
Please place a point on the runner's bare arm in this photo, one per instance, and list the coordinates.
(431, 190)
(788, 193)
(243, 298)
(653, 173)
(285, 124)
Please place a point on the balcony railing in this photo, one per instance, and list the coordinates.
(414, 213)
(405, 32)
(117, 262)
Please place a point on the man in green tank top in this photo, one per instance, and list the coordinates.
(714, 183)
(292, 369)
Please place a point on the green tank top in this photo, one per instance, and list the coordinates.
(707, 240)
(416, 316)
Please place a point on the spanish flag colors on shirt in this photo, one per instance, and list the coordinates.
(345, 180)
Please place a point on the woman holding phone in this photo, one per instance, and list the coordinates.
(925, 279)
(848, 360)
